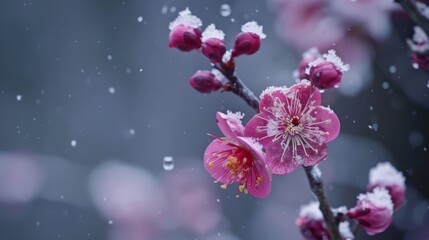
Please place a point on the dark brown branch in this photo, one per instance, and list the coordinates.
(316, 183)
(410, 7)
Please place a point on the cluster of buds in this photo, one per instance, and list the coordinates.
(419, 46)
(373, 211)
(324, 71)
(186, 35)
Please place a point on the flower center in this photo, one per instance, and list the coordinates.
(292, 126)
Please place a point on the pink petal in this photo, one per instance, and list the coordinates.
(314, 157)
(275, 164)
(332, 127)
(251, 129)
(254, 147)
(267, 100)
(217, 170)
(305, 93)
(264, 187)
(230, 125)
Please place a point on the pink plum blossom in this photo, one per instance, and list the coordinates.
(185, 34)
(235, 158)
(385, 175)
(310, 222)
(373, 211)
(293, 127)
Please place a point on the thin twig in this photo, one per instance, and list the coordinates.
(410, 7)
(316, 183)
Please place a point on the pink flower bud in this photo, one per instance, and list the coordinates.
(325, 71)
(214, 49)
(185, 34)
(185, 38)
(307, 57)
(249, 40)
(205, 82)
(373, 211)
(421, 60)
(325, 75)
(385, 175)
(311, 224)
(246, 43)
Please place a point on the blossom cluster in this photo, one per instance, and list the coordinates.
(290, 129)
(373, 211)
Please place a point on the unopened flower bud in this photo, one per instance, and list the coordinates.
(421, 60)
(373, 211)
(213, 45)
(185, 34)
(310, 222)
(205, 82)
(385, 175)
(307, 57)
(326, 71)
(249, 40)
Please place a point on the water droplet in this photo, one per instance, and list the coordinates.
(321, 90)
(168, 163)
(337, 85)
(73, 143)
(140, 19)
(164, 9)
(385, 85)
(415, 66)
(225, 10)
(18, 98)
(110, 222)
(112, 90)
(218, 200)
(392, 69)
(109, 57)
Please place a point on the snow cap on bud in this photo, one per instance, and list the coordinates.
(373, 211)
(185, 34)
(205, 82)
(385, 175)
(249, 40)
(326, 71)
(213, 45)
(310, 222)
(307, 57)
(420, 47)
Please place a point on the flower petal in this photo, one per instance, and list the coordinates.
(274, 160)
(252, 129)
(215, 164)
(230, 124)
(254, 147)
(259, 187)
(313, 157)
(329, 122)
(269, 97)
(305, 93)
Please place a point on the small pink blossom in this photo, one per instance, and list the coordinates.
(293, 127)
(235, 158)
(185, 34)
(249, 40)
(373, 211)
(205, 82)
(385, 175)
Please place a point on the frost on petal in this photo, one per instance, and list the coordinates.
(269, 90)
(385, 174)
(187, 19)
(379, 197)
(311, 211)
(332, 57)
(253, 27)
(230, 124)
(212, 32)
(328, 121)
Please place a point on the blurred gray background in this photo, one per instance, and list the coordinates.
(87, 86)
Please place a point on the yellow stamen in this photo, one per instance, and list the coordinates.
(241, 188)
(223, 186)
(246, 191)
(211, 164)
(259, 180)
